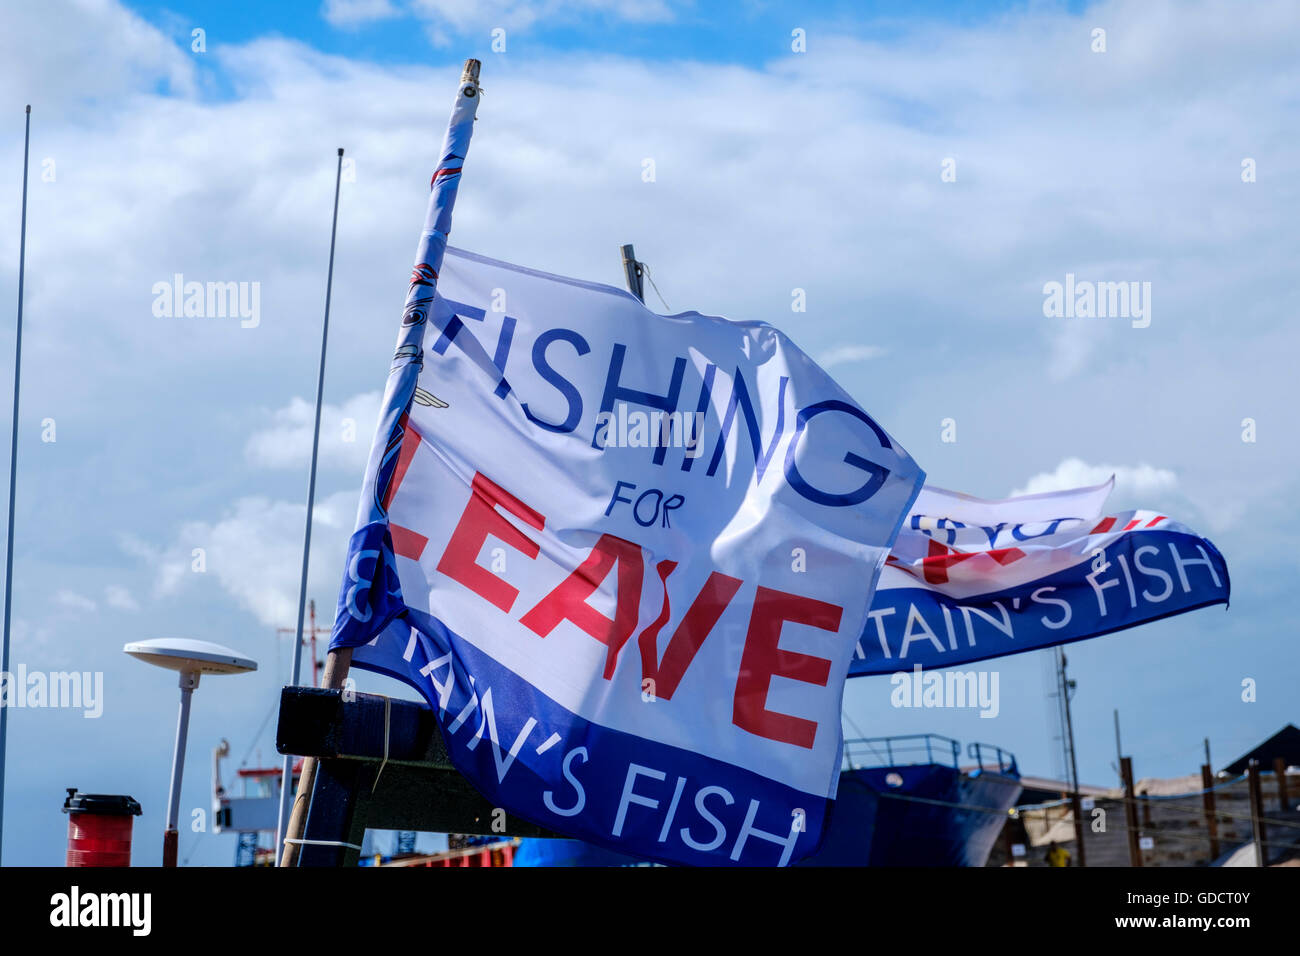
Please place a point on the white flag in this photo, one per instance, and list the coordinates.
(970, 579)
(626, 557)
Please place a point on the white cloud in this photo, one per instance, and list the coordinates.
(169, 570)
(59, 54)
(1130, 481)
(120, 598)
(350, 13)
(345, 434)
(1047, 183)
(1072, 343)
(1022, 210)
(524, 13)
(254, 553)
(32, 638)
(844, 354)
(75, 601)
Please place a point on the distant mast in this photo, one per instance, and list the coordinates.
(286, 778)
(13, 471)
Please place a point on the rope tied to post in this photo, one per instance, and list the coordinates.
(388, 709)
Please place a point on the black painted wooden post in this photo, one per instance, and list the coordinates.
(404, 782)
(333, 816)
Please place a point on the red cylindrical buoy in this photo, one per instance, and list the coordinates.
(99, 828)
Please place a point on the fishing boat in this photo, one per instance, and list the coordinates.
(909, 801)
(248, 810)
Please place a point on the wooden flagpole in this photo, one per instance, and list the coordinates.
(338, 662)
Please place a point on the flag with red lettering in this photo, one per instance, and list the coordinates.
(626, 558)
(970, 579)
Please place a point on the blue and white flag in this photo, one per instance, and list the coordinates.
(626, 558)
(970, 579)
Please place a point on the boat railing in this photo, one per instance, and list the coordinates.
(990, 756)
(903, 750)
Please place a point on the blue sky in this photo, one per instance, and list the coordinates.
(727, 32)
(776, 170)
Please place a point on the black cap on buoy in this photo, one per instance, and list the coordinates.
(112, 804)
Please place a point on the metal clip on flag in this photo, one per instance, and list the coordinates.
(401, 388)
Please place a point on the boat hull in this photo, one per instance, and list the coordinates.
(920, 815)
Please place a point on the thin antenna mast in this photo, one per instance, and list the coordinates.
(13, 471)
(1065, 687)
(286, 779)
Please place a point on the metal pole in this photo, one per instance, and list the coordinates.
(315, 677)
(1130, 811)
(286, 775)
(1119, 750)
(1076, 809)
(13, 474)
(632, 273)
(1211, 821)
(189, 681)
(1066, 687)
(1257, 814)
